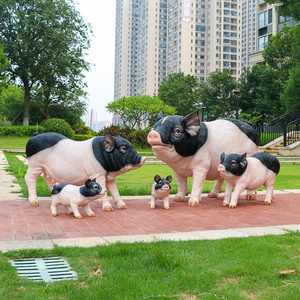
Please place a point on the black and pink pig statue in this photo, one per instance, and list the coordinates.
(160, 191)
(241, 172)
(72, 196)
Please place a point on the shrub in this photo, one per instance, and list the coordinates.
(139, 138)
(58, 126)
(19, 130)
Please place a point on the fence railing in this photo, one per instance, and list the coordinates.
(286, 125)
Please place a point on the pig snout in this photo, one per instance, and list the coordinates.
(166, 187)
(154, 138)
(221, 168)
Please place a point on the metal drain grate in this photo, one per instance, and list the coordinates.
(46, 269)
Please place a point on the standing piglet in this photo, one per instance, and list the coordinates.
(161, 190)
(248, 173)
(72, 196)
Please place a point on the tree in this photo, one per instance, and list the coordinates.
(291, 91)
(260, 93)
(181, 92)
(287, 7)
(44, 41)
(216, 93)
(137, 110)
(4, 64)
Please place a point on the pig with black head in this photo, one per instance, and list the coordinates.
(193, 148)
(160, 190)
(72, 196)
(242, 172)
(62, 160)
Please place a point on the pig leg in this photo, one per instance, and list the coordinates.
(166, 203)
(113, 189)
(88, 210)
(235, 195)
(31, 177)
(182, 187)
(152, 202)
(227, 195)
(53, 207)
(216, 189)
(50, 182)
(198, 182)
(106, 206)
(270, 192)
(74, 207)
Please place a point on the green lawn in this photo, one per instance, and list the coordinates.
(233, 269)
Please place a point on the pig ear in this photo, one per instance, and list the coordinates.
(243, 161)
(94, 180)
(222, 157)
(169, 178)
(159, 116)
(88, 182)
(192, 125)
(109, 143)
(157, 178)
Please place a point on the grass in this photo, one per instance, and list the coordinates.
(234, 268)
(11, 142)
(139, 182)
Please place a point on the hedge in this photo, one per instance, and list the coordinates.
(20, 130)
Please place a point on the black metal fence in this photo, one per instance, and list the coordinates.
(286, 125)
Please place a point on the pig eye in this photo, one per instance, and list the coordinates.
(177, 132)
(123, 149)
(233, 162)
(95, 187)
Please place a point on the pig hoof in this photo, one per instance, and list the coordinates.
(167, 207)
(54, 214)
(177, 198)
(152, 207)
(251, 196)
(225, 203)
(34, 203)
(232, 205)
(108, 208)
(268, 202)
(212, 195)
(92, 215)
(123, 206)
(79, 217)
(193, 203)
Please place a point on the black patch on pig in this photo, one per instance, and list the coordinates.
(117, 156)
(269, 161)
(185, 144)
(247, 128)
(234, 163)
(58, 188)
(42, 141)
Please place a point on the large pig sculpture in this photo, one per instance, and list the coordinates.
(62, 160)
(241, 172)
(193, 148)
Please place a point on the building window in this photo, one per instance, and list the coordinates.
(262, 41)
(262, 19)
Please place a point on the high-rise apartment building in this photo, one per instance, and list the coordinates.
(157, 37)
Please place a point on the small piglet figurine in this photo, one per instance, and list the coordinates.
(72, 196)
(248, 173)
(161, 190)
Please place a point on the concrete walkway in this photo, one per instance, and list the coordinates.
(26, 227)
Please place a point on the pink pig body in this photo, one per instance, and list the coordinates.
(253, 177)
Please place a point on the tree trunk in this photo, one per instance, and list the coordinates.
(26, 102)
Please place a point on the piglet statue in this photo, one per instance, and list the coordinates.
(161, 190)
(72, 197)
(248, 173)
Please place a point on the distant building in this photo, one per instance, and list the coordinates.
(90, 120)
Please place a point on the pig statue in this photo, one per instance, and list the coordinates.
(161, 190)
(249, 173)
(72, 196)
(62, 160)
(193, 148)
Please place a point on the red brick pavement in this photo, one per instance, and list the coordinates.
(20, 221)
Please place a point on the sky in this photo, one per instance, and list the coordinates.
(100, 79)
